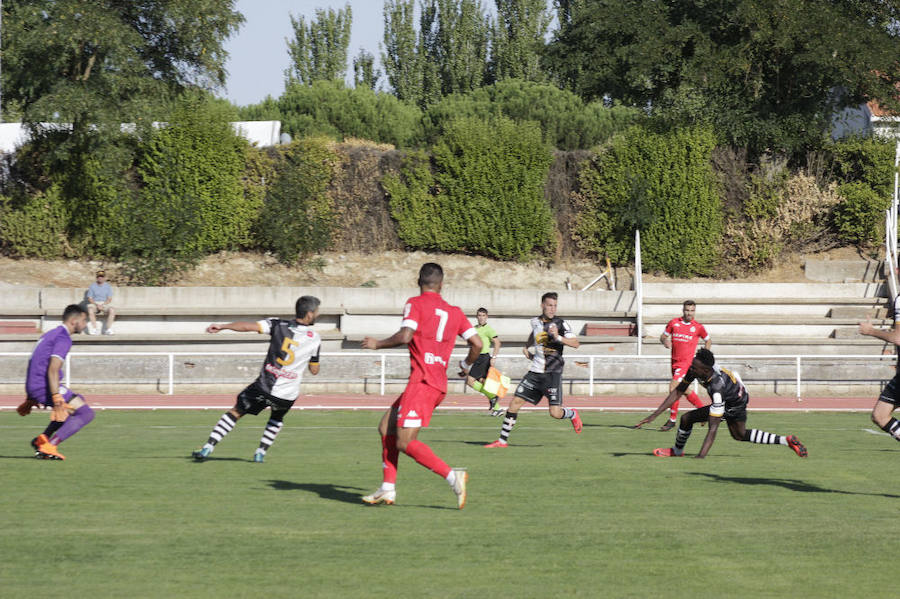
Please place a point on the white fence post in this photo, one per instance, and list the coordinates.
(171, 374)
(68, 370)
(383, 371)
(798, 379)
(591, 376)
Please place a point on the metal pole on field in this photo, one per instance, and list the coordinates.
(383, 371)
(638, 288)
(798, 379)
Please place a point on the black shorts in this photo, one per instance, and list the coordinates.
(889, 393)
(254, 400)
(536, 385)
(733, 413)
(480, 367)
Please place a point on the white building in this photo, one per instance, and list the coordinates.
(866, 119)
(259, 133)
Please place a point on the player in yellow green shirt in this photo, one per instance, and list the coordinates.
(490, 345)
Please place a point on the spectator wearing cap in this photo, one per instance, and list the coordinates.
(99, 298)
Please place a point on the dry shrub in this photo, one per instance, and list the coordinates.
(800, 223)
(363, 220)
(559, 190)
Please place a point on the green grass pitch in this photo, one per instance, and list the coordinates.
(129, 514)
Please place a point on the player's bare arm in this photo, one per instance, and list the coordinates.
(572, 342)
(668, 401)
(666, 340)
(891, 335)
(401, 337)
(710, 436)
(529, 343)
(496, 350)
(240, 327)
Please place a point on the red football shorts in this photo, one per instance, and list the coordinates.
(679, 370)
(415, 405)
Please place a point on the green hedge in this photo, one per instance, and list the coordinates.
(661, 183)
(859, 217)
(566, 122)
(298, 216)
(36, 226)
(868, 160)
(187, 198)
(331, 109)
(484, 195)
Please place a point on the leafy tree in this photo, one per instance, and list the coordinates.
(319, 49)
(767, 74)
(447, 55)
(78, 70)
(457, 43)
(517, 39)
(364, 72)
(400, 55)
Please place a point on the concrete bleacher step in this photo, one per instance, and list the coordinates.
(859, 312)
(713, 319)
(763, 301)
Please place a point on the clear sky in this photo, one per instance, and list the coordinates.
(258, 52)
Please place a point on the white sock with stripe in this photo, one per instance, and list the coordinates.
(223, 427)
(764, 438)
(268, 437)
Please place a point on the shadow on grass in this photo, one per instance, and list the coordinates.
(338, 493)
(212, 459)
(323, 490)
(24, 457)
(483, 443)
(790, 484)
(622, 454)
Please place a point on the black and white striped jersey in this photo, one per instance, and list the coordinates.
(724, 386)
(292, 346)
(548, 353)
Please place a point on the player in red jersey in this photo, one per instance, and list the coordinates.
(429, 327)
(682, 336)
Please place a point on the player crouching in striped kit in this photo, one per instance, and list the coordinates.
(729, 401)
(293, 346)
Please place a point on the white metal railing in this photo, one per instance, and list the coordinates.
(797, 359)
(890, 230)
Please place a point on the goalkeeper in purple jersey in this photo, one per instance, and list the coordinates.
(69, 411)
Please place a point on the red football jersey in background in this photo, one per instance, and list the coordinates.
(435, 324)
(685, 336)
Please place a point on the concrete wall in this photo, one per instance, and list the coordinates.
(697, 291)
(264, 299)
